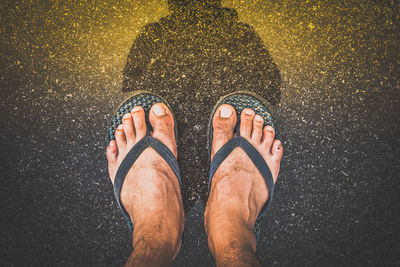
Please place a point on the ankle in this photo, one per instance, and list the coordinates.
(236, 255)
(157, 237)
(233, 244)
(149, 251)
(232, 208)
(231, 233)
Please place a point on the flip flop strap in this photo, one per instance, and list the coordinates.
(255, 157)
(131, 157)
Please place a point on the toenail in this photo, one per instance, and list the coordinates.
(126, 116)
(270, 129)
(248, 112)
(119, 127)
(158, 110)
(259, 118)
(136, 109)
(225, 112)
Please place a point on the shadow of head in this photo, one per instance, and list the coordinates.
(201, 51)
(177, 5)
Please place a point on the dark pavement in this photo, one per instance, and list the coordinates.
(331, 73)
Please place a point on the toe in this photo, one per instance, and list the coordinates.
(127, 125)
(112, 153)
(277, 149)
(224, 122)
(268, 136)
(161, 119)
(246, 123)
(257, 132)
(120, 137)
(139, 122)
(163, 125)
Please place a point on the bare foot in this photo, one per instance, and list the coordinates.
(150, 192)
(238, 190)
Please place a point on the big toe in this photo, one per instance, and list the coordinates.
(162, 121)
(224, 122)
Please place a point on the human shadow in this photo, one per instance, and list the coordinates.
(192, 57)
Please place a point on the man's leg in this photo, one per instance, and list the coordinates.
(238, 191)
(150, 192)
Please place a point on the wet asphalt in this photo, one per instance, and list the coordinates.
(331, 75)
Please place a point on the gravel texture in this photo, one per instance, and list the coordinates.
(330, 71)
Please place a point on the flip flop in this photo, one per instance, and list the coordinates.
(241, 100)
(146, 100)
